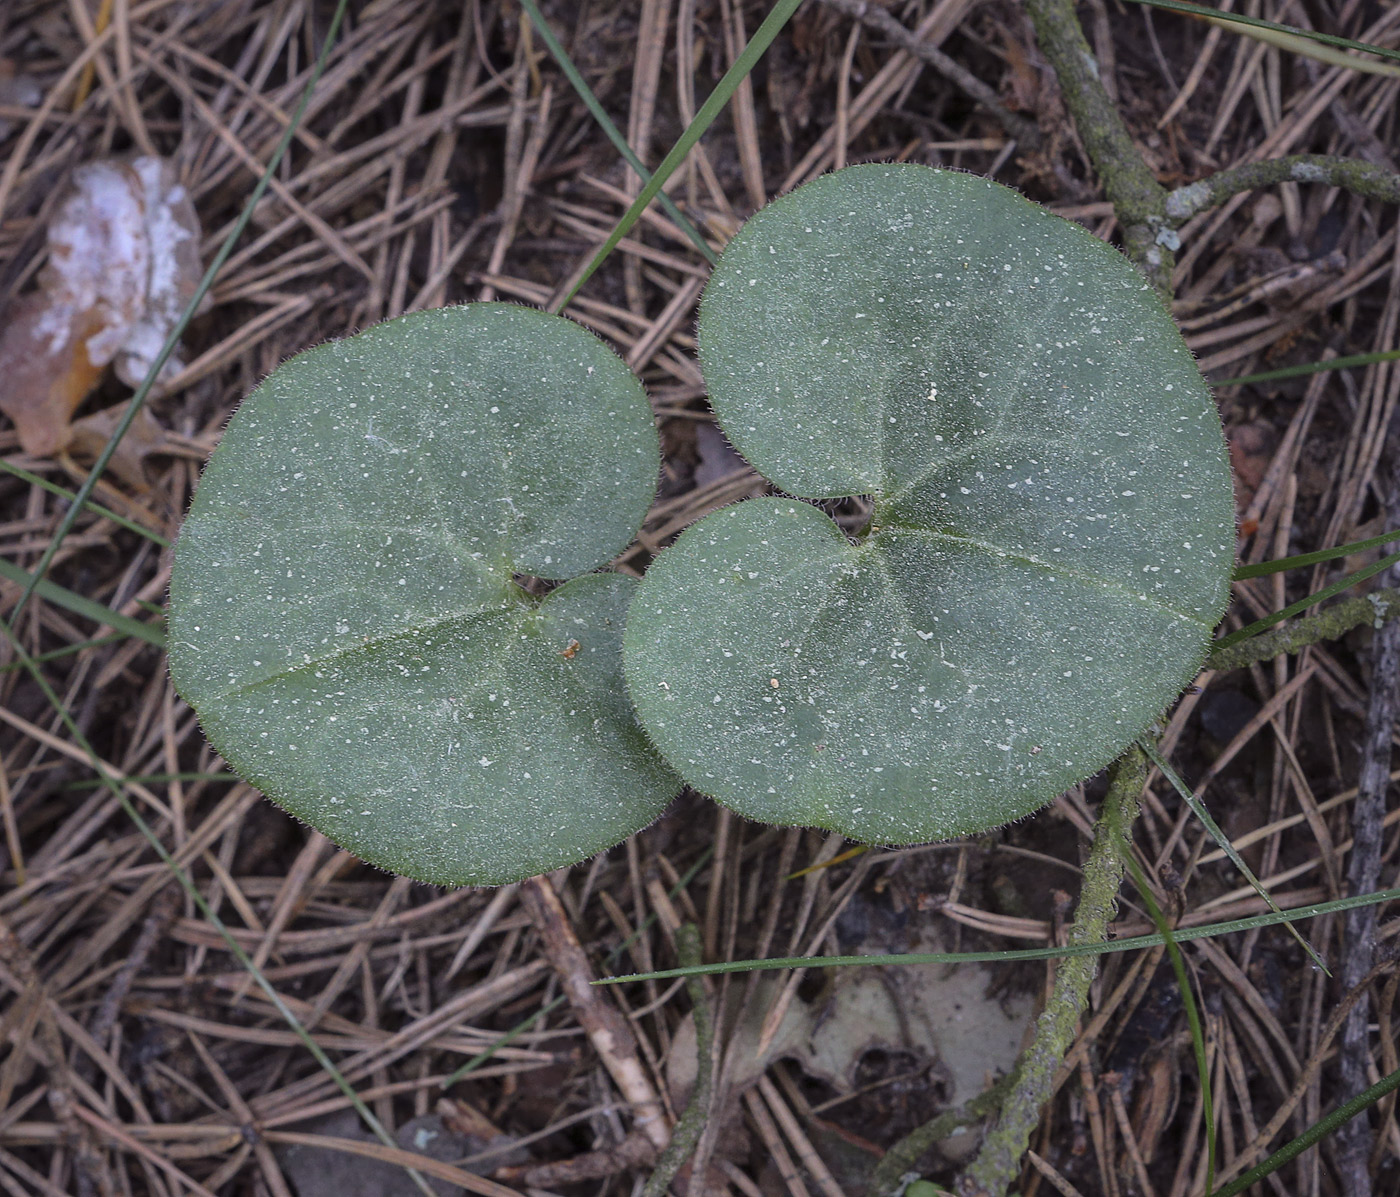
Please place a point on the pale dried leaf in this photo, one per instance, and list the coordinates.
(45, 372)
(89, 436)
(172, 232)
(123, 263)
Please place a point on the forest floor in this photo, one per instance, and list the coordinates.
(444, 159)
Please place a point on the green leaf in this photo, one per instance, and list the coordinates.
(344, 616)
(1052, 528)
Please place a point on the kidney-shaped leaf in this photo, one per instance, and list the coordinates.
(1052, 529)
(343, 612)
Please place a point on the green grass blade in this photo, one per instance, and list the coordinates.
(64, 493)
(709, 110)
(1302, 559)
(1317, 1131)
(1298, 562)
(1188, 1000)
(1326, 39)
(605, 122)
(1131, 944)
(1199, 810)
(1262, 625)
(86, 607)
(66, 651)
(138, 400)
(1336, 363)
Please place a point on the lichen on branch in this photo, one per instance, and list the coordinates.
(1351, 174)
(999, 1161)
(1139, 201)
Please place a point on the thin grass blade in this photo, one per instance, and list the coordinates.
(1308, 48)
(1199, 810)
(614, 134)
(1303, 559)
(1234, 18)
(64, 493)
(1314, 1134)
(1336, 363)
(66, 651)
(839, 858)
(709, 110)
(1263, 625)
(1188, 1001)
(147, 779)
(59, 596)
(1131, 944)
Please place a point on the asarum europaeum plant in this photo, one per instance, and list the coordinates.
(1049, 549)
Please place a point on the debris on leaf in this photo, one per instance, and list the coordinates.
(47, 372)
(123, 263)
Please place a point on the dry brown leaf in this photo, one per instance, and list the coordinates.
(45, 372)
(123, 263)
(146, 436)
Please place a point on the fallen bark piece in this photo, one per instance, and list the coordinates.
(123, 264)
(604, 1024)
